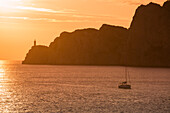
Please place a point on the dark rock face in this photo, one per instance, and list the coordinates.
(145, 43)
(37, 55)
(89, 46)
(149, 37)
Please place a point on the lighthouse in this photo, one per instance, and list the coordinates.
(34, 42)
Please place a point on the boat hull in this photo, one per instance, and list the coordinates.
(125, 86)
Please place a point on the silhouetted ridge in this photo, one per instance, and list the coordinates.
(145, 43)
(149, 38)
(166, 5)
(110, 27)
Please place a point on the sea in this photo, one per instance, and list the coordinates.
(82, 89)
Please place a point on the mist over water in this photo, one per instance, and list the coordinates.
(43, 88)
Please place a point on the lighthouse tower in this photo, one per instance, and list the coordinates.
(34, 42)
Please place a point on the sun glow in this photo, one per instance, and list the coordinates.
(2, 71)
(7, 5)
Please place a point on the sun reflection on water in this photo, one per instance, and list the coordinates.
(2, 73)
(5, 95)
(2, 77)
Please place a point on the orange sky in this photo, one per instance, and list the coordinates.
(22, 21)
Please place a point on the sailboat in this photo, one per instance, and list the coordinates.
(125, 85)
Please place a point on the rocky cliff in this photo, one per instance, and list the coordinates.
(145, 43)
(37, 55)
(149, 36)
(105, 46)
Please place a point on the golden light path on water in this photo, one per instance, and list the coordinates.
(5, 94)
(2, 72)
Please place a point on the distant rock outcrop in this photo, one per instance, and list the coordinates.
(37, 55)
(145, 43)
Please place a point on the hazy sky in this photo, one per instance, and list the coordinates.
(22, 21)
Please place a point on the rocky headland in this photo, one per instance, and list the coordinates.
(145, 43)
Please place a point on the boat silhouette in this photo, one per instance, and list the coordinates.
(125, 85)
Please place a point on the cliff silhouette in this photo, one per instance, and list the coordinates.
(145, 43)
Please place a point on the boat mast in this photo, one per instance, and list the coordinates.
(125, 58)
(126, 73)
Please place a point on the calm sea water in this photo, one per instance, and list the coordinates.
(88, 89)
